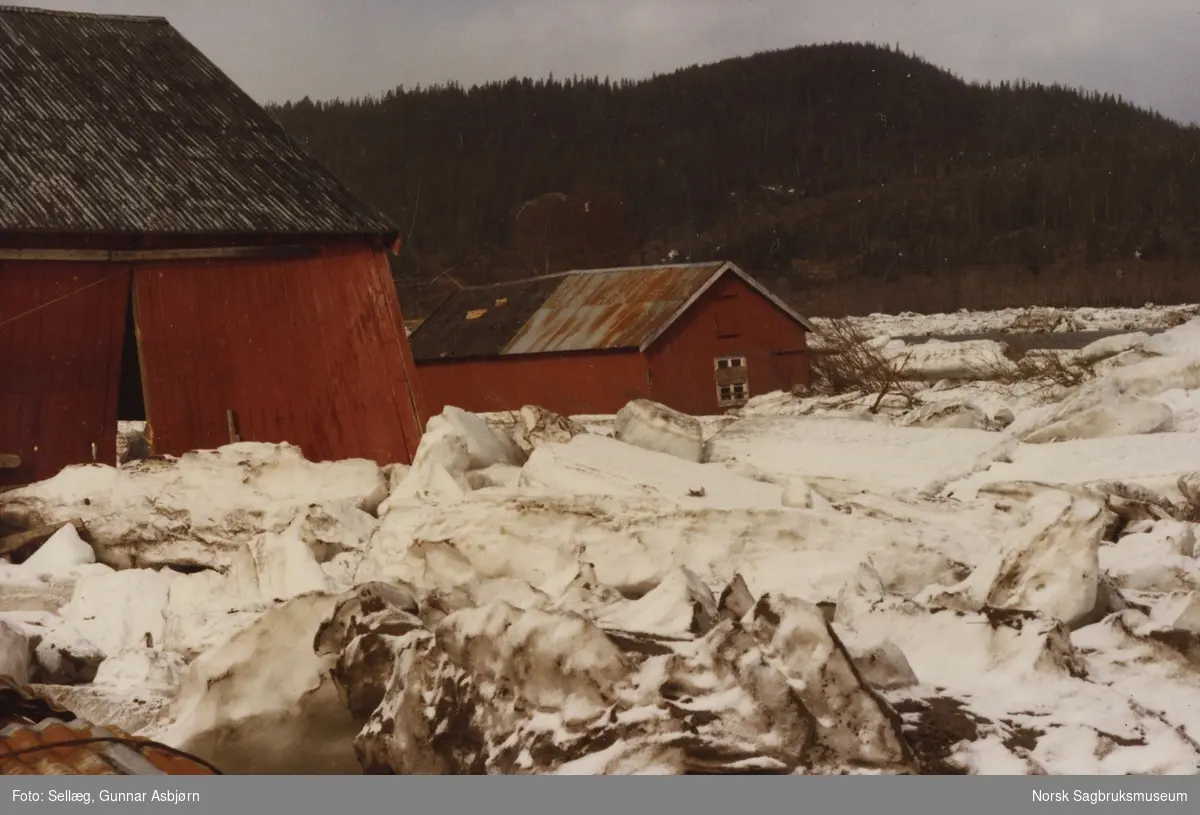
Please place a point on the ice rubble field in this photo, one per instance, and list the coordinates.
(1024, 319)
(991, 580)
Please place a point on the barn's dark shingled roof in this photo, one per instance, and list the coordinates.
(448, 334)
(585, 310)
(119, 125)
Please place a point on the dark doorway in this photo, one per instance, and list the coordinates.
(131, 404)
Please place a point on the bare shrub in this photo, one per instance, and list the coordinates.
(846, 361)
(1045, 374)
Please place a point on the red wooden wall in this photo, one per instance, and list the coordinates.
(564, 383)
(61, 326)
(311, 351)
(730, 319)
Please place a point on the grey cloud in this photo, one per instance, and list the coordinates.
(284, 49)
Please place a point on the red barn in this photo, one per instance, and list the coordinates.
(159, 229)
(700, 338)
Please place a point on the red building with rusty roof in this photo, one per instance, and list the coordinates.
(158, 227)
(701, 338)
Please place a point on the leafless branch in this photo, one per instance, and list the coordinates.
(847, 361)
(1040, 373)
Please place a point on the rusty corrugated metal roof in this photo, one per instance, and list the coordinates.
(38, 737)
(582, 310)
(610, 309)
(119, 125)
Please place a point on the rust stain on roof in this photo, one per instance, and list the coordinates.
(605, 310)
(38, 737)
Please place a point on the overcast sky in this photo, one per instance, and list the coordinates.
(1146, 50)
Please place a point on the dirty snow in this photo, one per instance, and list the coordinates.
(937, 360)
(915, 459)
(776, 590)
(1015, 320)
(659, 428)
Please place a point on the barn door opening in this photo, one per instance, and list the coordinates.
(131, 404)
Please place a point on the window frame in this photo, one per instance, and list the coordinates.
(738, 394)
(732, 390)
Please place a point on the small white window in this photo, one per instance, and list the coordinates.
(731, 362)
(729, 395)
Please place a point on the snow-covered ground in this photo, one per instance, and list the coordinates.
(994, 575)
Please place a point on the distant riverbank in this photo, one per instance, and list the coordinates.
(1020, 343)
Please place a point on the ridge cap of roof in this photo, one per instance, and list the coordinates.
(701, 264)
(87, 15)
(713, 264)
(520, 281)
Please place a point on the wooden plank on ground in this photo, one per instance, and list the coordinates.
(231, 422)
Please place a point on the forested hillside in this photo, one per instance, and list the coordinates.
(854, 177)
